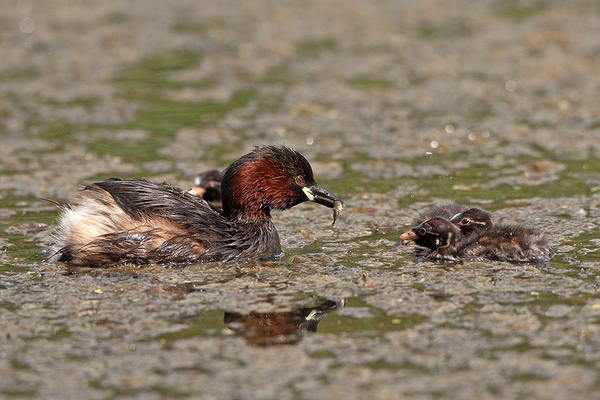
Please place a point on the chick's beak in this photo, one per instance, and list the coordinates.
(319, 195)
(409, 235)
(197, 191)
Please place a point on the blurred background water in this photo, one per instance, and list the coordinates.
(397, 105)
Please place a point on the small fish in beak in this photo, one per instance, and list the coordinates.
(337, 207)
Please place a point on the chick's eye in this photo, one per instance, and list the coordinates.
(422, 231)
(300, 181)
(465, 222)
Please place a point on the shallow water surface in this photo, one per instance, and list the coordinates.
(349, 297)
(398, 106)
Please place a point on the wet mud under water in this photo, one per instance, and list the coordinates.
(397, 105)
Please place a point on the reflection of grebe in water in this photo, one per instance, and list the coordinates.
(270, 329)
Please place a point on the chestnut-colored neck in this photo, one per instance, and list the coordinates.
(255, 188)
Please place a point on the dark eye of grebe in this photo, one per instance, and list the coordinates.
(422, 231)
(299, 181)
(465, 222)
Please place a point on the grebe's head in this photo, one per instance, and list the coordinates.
(432, 234)
(209, 177)
(473, 220)
(208, 185)
(270, 178)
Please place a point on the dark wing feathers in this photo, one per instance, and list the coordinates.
(145, 199)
